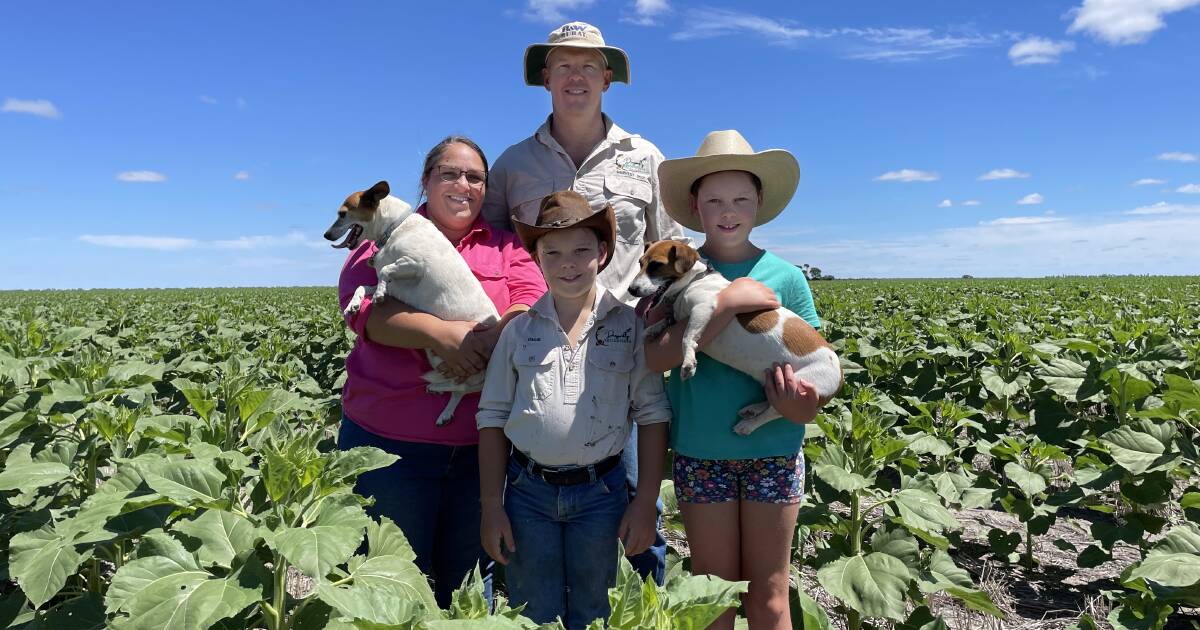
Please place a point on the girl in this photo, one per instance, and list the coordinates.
(738, 495)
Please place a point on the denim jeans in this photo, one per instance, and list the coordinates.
(432, 494)
(653, 561)
(547, 521)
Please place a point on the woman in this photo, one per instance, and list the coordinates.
(432, 492)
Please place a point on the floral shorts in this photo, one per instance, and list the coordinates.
(765, 480)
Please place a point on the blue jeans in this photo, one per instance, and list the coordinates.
(653, 561)
(547, 521)
(432, 494)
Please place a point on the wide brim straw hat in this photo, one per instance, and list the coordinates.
(568, 209)
(727, 150)
(574, 35)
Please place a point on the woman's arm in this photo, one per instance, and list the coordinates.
(393, 323)
(743, 295)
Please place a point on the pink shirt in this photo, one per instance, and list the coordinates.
(384, 391)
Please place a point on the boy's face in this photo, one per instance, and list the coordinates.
(570, 260)
(726, 204)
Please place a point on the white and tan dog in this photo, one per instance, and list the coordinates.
(673, 273)
(417, 266)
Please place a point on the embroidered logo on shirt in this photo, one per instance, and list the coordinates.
(636, 169)
(609, 337)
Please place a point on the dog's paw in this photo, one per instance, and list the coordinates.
(751, 411)
(744, 428)
(687, 370)
(444, 419)
(656, 330)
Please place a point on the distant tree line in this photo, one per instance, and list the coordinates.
(814, 273)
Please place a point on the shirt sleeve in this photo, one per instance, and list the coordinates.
(649, 403)
(495, 401)
(495, 202)
(659, 224)
(800, 300)
(357, 272)
(525, 281)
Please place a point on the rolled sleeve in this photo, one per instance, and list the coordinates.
(650, 404)
(495, 401)
(525, 281)
(357, 272)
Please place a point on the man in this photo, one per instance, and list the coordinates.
(580, 148)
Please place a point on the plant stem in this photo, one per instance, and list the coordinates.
(1028, 548)
(853, 620)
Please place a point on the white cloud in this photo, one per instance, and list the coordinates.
(647, 12)
(1163, 207)
(1148, 181)
(707, 23)
(293, 238)
(554, 11)
(1121, 22)
(971, 202)
(1038, 50)
(1023, 221)
(912, 44)
(39, 107)
(207, 100)
(242, 176)
(908, 175)
(123, 241)
(946, 203)
(141, 176)
(1190, 189)
(1002, 173)
(1178, 156)
(1030, 199)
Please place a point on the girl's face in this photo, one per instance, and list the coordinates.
(570, 260)
(726, 203)
(453, 205)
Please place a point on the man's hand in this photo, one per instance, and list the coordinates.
(637, 525)
(495, 532)
(793, 397)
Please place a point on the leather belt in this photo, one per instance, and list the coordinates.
(559, 476)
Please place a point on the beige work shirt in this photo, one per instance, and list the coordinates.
(622, 170)
(565, 407)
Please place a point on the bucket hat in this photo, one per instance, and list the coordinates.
(727, 150)
(568, 209)
(574, 35)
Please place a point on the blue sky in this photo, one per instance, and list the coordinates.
(209, 144)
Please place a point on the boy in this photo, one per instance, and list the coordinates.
(562, 385)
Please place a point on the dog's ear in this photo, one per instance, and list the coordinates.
(377, 192)
(682, 257)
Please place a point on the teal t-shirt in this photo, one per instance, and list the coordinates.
(705, 406)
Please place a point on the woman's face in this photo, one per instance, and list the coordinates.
(453, 205)
(727, 202)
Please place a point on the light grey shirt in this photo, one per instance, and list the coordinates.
(571, 407)
(622, 170)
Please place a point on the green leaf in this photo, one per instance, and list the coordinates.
(187, 481)
(350, 464)
(840, 478)
(873, 585)
(222, 535)
(898, 543)
(327, 542)
(943, 573)
(1064, 377)
(41, 562)
(632, 606)
(807, 614)
(378, 605)
(998, 386)
(175, 599)
(85, 612)
(1030, 482)
(398, 575)
(32, 475)
(1176, 570)
(923, 510)
(922, 619)
(1134, 449)
(693, 602)
(385, 538)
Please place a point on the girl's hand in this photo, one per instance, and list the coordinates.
(463, 355)
(637, 525)
(793, 397)
(746, 295)
(495, 533)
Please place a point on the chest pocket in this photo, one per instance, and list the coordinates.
(609, 380)
(536, 376)
(629, 198)
(490, 275)
(527, 198)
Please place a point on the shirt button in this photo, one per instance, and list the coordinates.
(612, 364)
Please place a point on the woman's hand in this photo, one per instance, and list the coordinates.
(495, 532)
(637, 525)
(462, 354)
(793, 397)
(746, 295)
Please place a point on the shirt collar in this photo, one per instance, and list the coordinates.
(613, 132)
(479, 232)
(605, 303)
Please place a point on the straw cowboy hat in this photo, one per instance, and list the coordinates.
(568, 209)
(728, 151)
(574, 35)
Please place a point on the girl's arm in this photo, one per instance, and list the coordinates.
(743, 295)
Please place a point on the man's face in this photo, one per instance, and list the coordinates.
(576, 79)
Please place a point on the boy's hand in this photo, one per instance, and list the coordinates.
(637, 526)
(793, 397)
(495, 533)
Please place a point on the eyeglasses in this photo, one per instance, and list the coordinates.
(450, 174)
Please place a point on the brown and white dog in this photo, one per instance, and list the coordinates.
(673, 273)
(417, 266)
